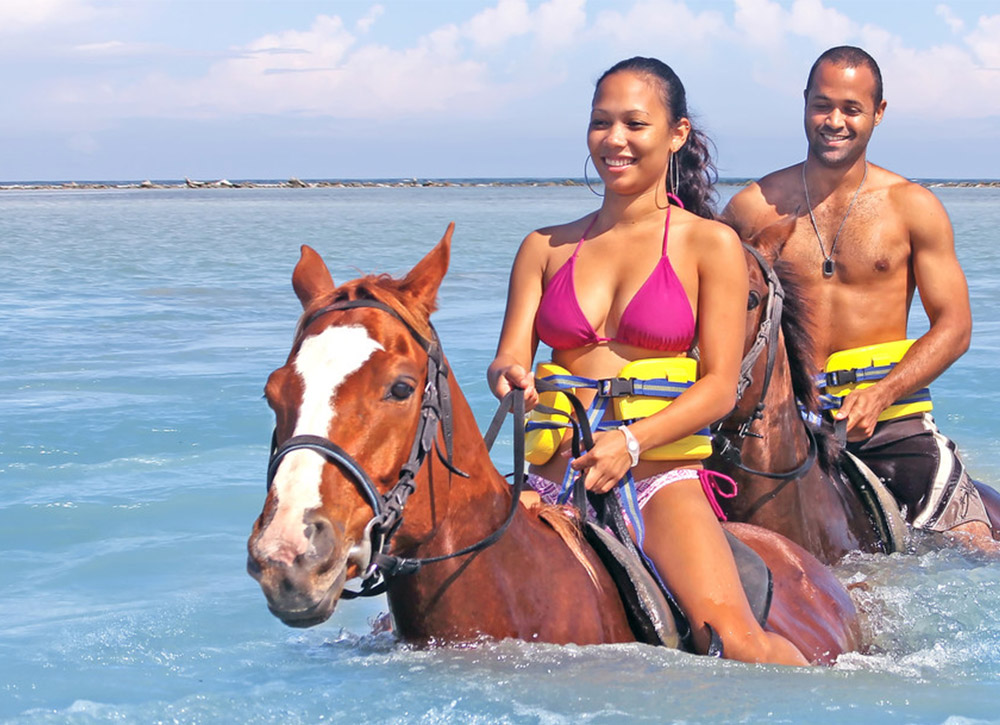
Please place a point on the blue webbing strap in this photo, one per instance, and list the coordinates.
(861, 375)
(832, 402)
(626, 488)
(853, 375)
(594, 413)
(629, 497)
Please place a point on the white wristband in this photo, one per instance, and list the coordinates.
(631, 444)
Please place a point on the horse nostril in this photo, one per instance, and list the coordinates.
(319, 534)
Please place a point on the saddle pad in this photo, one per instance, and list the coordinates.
(755, 577)
(649, 614)
(881, 504)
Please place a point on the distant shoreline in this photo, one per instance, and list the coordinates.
(294, 183)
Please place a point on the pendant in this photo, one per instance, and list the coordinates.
(827, 267)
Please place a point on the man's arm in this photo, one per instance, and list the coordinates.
(945, 297)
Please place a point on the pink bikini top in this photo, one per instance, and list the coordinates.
(658, 317)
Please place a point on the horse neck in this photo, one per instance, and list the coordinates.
(449, 510)
(783, 443)
(814, 510)
(475, 594)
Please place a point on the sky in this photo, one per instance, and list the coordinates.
(337, 89)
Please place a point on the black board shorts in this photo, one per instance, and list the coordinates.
(922, 469)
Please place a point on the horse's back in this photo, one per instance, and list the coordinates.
(810, 606)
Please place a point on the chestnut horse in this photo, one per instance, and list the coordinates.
(358, 430)
(792, 478)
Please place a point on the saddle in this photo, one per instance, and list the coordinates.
(652, 610)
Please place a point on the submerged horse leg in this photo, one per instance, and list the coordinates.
(810, 607)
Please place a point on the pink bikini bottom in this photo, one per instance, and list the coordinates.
(646, 488)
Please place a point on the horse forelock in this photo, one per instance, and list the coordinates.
(382, 288)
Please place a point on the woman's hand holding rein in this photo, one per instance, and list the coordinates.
(503, 377)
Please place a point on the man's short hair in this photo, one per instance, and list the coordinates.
(849, 56)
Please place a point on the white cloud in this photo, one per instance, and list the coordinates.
(17, 16)
(365, 23)
(559, 22)
(766, 24)
(116, 48)
(330, 70)
(325, 70)
(321, 71)
(985, 42)
(951, 79)
(671, 22)
(554, 23)
(495, 26)
(824, 26)
(760, 23)
(951, 20)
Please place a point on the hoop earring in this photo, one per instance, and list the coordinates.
(586, 179)
(674, 179)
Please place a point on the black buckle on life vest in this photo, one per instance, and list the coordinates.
(835, 378)
(615, 387)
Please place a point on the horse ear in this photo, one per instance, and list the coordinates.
(424, 279)
(311, 278)
(770, 240)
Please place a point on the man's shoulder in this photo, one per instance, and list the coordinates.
(903, 195)
(764, 201)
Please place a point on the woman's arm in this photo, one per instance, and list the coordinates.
(512, 365)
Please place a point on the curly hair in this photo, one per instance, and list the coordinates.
(696, 168)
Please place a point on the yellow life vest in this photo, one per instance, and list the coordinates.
(540, 444)
(664, 379)
(860, 368)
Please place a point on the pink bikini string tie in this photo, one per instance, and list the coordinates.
(710, 484)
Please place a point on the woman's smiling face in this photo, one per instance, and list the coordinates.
(630, 136)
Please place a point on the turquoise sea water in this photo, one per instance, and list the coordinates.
(138, 328)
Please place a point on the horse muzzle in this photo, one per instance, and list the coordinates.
(302, 579)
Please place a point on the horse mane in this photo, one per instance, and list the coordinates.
(796, 320)
(569, 531)
(385, 289)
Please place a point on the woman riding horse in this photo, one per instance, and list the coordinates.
(603, 292)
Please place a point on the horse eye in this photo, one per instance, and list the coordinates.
(401, 390)
(753, 300)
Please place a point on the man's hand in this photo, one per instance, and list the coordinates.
(862, 408)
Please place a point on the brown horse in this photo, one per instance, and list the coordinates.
(807, 501)
(792, 478)
(363, 371)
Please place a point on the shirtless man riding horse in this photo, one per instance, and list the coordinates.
(865, 240)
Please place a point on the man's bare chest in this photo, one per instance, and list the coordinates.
(866, 247)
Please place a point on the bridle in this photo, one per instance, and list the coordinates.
(766, 339)
(371, 554)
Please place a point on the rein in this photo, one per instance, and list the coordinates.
(371, 555)
(767, 338)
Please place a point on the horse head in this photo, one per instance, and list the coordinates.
(348, 405)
